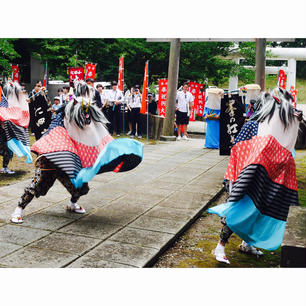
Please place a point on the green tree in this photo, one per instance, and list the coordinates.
(7, 55)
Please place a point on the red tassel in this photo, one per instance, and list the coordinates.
(117, 169)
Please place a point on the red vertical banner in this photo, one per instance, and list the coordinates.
(120, 74)
(76, 73)
(162, 97)
(143, 109)
(15, 73)
(194, 89)
(201, 101)
(294, 94)
(282, 79)
(90, 71)
(45, 77)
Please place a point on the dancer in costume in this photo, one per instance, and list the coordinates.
(40, 110)
(76, 147)
(262, 170)
(212, 116)
(14, 121)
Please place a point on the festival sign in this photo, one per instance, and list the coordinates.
(15, 73)
(162, 97)
(120, 74)
(76, 73)
(232, 118)
(90, 71)
(282, 79)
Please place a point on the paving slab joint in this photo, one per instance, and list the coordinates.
(151, 262)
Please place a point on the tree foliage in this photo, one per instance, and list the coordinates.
(199, 61)
(7, 55)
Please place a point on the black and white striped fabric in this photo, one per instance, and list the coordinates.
(15, 131)
(270, 198)
(65, 161)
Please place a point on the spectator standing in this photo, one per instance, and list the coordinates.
(115, 100)
(184, 102)
(152, 105)
(134, 103)
(96, 98)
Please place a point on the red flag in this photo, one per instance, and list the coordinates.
(120, 74)
(143, 109)
(45, 78)
(294, 93)
(15, 73)
(90, 71)
(282, 79)
(201, 101)
(162, 97)
(76, 73)
(194, 88)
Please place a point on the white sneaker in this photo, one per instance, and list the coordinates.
(220, 254)
(128, 133)
(118, 135)
(75, 207)
(132, 136)
(7, 171)
(178, 138)
(248, 249)
(185, 137)
(17, 215)
(139, 136)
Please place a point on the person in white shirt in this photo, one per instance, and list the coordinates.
(102, 94)
(64, 96)
(134, 104)
(128, 117)
(184, 102)
(59, 94)
(115, 100)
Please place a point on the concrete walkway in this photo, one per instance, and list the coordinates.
(130, 217)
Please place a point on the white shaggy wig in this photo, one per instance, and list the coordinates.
(81, 110)
(11, 88)
(278, 100)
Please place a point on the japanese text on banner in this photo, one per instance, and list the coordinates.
(76, 73)
(120, 74)
(15, 73)
(194, 88)
(201, 101)
(162, 97)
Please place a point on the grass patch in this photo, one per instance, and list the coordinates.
(22, 170)
(300, 160)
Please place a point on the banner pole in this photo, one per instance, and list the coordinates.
(147, 102)
(123, 95)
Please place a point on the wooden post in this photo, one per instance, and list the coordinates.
(173, 70)
(260, 76)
